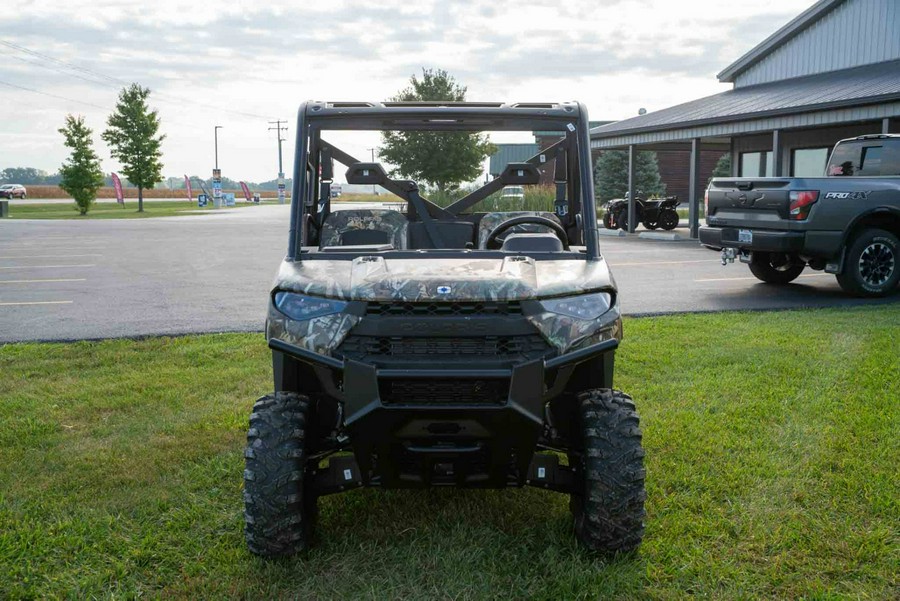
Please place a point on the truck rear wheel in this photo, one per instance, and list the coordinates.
(871, 267)
(609, 514)
(278, 508)
(775, 268)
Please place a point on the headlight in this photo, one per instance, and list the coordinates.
(302, 307)
(585, 306)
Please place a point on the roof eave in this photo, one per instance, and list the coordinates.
(807, 108)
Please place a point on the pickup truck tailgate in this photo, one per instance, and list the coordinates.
(749, 202)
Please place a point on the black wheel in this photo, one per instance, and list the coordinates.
(622, 220)
(608, 220)
(609, 514)
(650, 225)
(871, 267)
(775, 268)
(277, 509)
(668, 219)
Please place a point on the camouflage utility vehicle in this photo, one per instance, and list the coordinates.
(417, 345)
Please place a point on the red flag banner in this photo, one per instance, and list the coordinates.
(187, 186)
(117, 184)
(246, 191)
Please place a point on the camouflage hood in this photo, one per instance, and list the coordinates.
(376, 278)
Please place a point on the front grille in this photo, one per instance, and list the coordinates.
(389, 309)
(436, 391)
(503, 348)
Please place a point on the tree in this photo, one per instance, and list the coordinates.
(133, 135)
(22, 175)
(611, 174)
(439, 158)
(81, 174)
(723, 166)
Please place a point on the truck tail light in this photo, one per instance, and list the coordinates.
(802, 202)
(706, 203)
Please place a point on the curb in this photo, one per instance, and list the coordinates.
(615, 233)
(669, 236)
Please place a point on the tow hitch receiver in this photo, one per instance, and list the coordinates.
(728, 255)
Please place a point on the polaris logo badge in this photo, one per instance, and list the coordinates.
(848, 195)
(444, 290)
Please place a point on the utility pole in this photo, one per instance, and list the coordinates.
(278, 129)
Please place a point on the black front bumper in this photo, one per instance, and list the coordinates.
(399, 443)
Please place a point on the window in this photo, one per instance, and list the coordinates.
(866, 157)
(870, 164)
(809, 162)
(756, 164)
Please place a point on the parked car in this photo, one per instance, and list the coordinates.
(846, 223)
(336, 190)
(13, 191)
(512, 193)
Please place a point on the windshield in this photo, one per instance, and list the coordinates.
(516, 191)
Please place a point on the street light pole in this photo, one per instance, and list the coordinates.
(217, 175)
(216, 136)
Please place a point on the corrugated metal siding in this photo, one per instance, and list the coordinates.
(858, 32)
(811, 119)
(849, 87)
(511, 153)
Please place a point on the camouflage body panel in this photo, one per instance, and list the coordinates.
(393, 223)
(492, 220)
(320, 334)
(376, 278)
(569, 333)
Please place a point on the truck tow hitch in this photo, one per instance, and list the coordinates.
(728, 255)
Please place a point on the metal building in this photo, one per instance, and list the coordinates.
(832, 72)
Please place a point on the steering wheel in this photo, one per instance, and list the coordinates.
(491, 241)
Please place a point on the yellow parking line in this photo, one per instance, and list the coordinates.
(42, 281)
(45, 266)
(805, 275)
(37, 303)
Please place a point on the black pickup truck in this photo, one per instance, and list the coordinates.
(846, 223)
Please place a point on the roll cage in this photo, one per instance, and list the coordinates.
(314, 162)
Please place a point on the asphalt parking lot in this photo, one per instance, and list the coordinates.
(68, 279)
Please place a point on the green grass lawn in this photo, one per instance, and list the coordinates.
(772, 439)
(111, 210)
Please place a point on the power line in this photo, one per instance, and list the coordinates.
(114, 80)
(58, 70)
(61, 62)
(103, 108)
(12, 85)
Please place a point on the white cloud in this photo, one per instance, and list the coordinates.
(264, 58)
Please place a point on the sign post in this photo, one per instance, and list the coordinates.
(217, 188)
